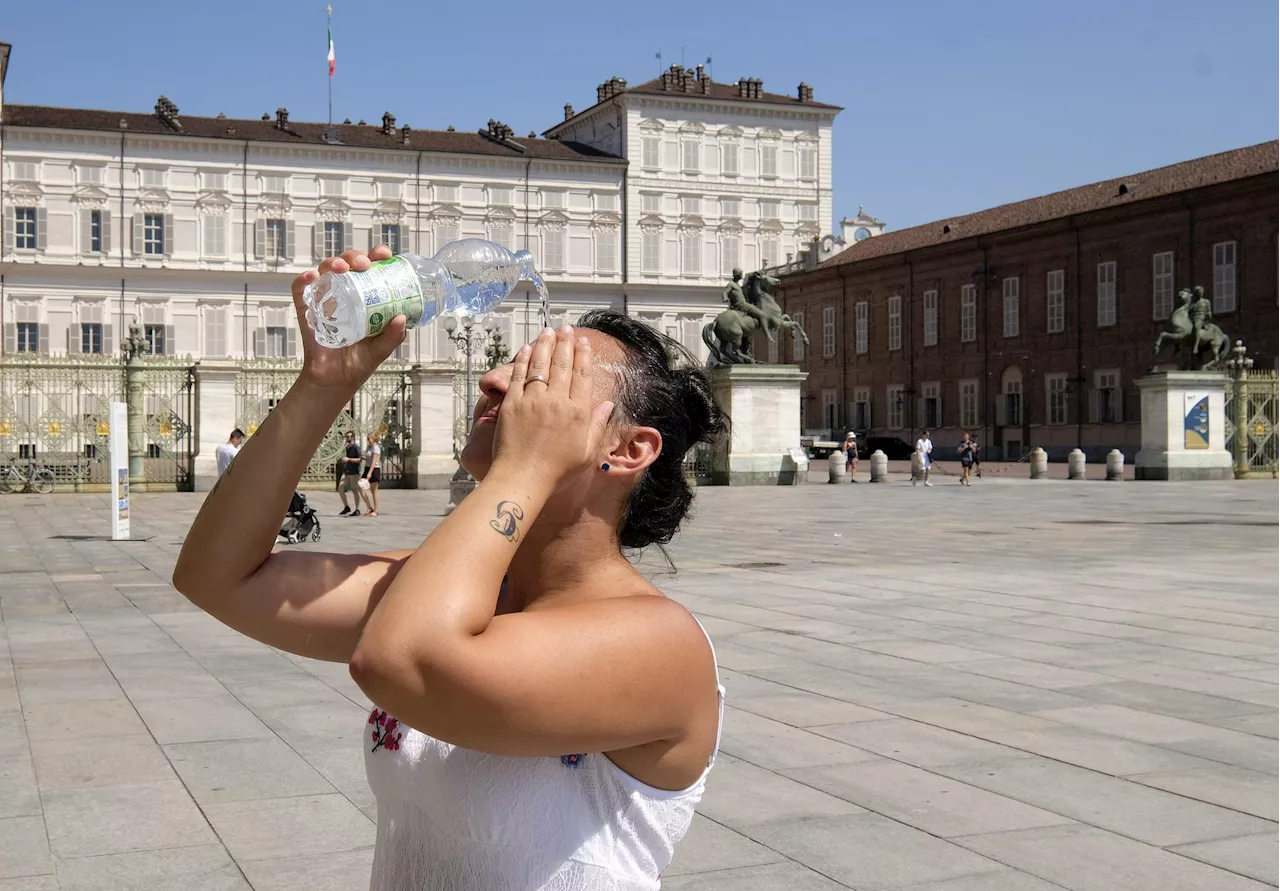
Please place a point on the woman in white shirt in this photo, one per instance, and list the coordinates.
(544, 717)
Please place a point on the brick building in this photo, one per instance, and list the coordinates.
(1029, 323)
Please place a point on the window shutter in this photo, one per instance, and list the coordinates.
(1118, 399)
(108, 343)
(317, 241)
(168, 235)
(259, 342)
(106, 232)
(1095, 410)
(288, 241)
(137, 235)
(42, 228)
(367, 236)
(170, 348)
(10, 337)
(86, 231)
(348, 240)
(260, 238)
(44, 339)
(291, 341)
(8, 235)
(73, 339)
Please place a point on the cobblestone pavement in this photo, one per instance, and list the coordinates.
(1012, 687)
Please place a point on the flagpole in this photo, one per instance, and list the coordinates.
(329, 22)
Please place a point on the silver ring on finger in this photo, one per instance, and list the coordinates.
(535, 379)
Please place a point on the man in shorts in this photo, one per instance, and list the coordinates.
(924, 447)
(350, 476)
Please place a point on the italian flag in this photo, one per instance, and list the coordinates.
(331, 59)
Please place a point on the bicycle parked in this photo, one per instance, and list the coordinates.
(33, 479)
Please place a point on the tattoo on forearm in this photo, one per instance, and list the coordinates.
(509, 514)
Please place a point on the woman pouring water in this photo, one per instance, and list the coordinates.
(544, 718)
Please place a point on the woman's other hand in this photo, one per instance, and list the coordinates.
(549, 422)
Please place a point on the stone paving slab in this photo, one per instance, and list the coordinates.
(1014, 687)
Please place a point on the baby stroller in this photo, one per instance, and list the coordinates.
(301, 521)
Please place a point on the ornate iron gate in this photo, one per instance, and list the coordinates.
(1260, 390)
(382, 406)
(169, 422)
(55, 412)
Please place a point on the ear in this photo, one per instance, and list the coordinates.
(634, 450)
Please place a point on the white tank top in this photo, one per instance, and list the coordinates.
(454, 819)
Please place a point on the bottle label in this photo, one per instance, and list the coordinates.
(389, 288)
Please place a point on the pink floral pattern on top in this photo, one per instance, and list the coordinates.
(386, 733)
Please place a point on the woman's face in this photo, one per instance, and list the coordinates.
(477, 454)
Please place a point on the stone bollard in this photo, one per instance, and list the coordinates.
(1115, 465)
(835, 468)
(917, 466)
(879, 467)
(1039, 462)
(1075, 465)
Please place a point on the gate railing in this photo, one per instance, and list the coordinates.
(381, 406)
(1260, 391)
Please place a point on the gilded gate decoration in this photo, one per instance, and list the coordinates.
(381, 406)
(1259, 388)
(55, 412)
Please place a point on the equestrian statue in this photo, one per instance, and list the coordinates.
(752, 308)
(1200, 343)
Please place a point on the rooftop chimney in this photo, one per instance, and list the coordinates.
(388, 122)
(404, 134)
(805, 93)
(282, 119)
(167, 112)
(568, 111)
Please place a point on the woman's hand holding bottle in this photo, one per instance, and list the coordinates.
(343, 370)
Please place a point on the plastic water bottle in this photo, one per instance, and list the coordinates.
(467, 277)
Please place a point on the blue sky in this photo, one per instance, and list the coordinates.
(949, 107)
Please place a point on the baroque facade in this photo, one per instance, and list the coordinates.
(193, 227)
(1029, 324)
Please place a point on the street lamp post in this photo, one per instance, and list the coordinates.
(470, 340)
(1238, 366)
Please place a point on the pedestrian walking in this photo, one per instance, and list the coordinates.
(966, 450)
(226, 453)
(924, 448)
(372, 474)
(350, 476)
(850, 449)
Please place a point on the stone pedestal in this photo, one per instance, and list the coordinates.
(1183, 415)
(763, 403)
(215, 418)
(879, 467)
(1075, 465)
(429, 463)
(1115, 465)
(836, 470)
(1039, 463)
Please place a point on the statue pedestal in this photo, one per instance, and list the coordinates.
(763, 403)
(1183, 436)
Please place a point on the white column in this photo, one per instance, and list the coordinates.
(215, 418)
(430, 462)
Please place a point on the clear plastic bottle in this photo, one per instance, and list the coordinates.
(468, 277)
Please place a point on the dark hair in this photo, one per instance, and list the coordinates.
(662, 387)
(236, 434)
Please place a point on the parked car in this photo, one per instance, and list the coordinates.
(894, 448)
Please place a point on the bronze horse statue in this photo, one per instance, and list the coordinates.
(728, 336)
(1192, 331)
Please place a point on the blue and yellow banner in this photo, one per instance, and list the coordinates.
(1196, 423)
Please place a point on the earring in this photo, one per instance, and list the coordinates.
(604, 466)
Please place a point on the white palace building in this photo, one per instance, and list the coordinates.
(193, 227)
